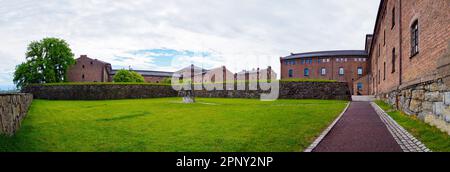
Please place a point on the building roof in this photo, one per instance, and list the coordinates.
(85, 56)
(327, 54)
(149, 73)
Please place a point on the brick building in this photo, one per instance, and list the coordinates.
(86, 69)
(410, 61)
(343, 66)
(92, 70)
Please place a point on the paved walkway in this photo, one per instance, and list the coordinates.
(359, 130)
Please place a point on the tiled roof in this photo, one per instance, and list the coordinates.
(327, 54)
(149, 73)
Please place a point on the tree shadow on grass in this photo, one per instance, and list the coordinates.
(136, 115)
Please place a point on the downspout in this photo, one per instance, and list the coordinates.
(400, 53)
(400, 48)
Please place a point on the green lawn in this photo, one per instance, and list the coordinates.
(166, 125)
(432, 137)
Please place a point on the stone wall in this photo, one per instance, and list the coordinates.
(13, 109)
(99, 91)
(429, 101)
(288, 90)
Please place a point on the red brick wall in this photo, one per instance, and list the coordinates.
(365, 86)
(92, 70)
(332, 69)
(434, 34)
(154, 79)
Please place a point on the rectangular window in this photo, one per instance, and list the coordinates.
(379, 77)
(360, 71)
(323, 71)
(393, 60)
(306, 72)
(393, 17)
(384, 71)
(379, 50)
(291, 73)
(415, 38)
(341, 71)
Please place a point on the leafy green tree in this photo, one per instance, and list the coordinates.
(128, 76)
(47, 61)
(167, 80)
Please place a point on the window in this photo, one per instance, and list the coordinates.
(341, 71)
(379, 77)
(393, 60)
(359, 86)
(82, 66)
(415, 38)
(379, 51)
(291, 73)
(82, 76)
(306, 72)
(384, 71)
(323, 71)
(92, 62)
(360, 71)
(393, 17)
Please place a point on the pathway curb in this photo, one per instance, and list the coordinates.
(407, 142)
(326, 131)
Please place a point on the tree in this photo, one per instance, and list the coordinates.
(47, 61)
(128, 76)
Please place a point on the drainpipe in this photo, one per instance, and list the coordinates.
(401, 42)
(400, 54)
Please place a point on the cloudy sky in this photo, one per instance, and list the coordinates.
(170, 34)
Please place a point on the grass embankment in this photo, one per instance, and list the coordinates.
(432, 137)
(166, 125)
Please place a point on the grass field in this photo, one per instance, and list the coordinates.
(166, 125)
(432, 137)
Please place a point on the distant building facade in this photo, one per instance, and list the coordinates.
(92, 70)
(343, 66)
(86, 69)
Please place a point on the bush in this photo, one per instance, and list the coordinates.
(128, 76)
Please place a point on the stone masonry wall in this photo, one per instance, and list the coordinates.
(99, 91)
(288, 90)
(429, 101)
(13, 109)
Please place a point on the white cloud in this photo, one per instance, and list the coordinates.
(241, 34)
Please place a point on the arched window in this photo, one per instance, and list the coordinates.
(306, 72)
(360, 86)
(341, 71)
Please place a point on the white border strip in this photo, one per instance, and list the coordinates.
(326, 131)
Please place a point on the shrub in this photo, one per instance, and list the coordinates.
(128, 76)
